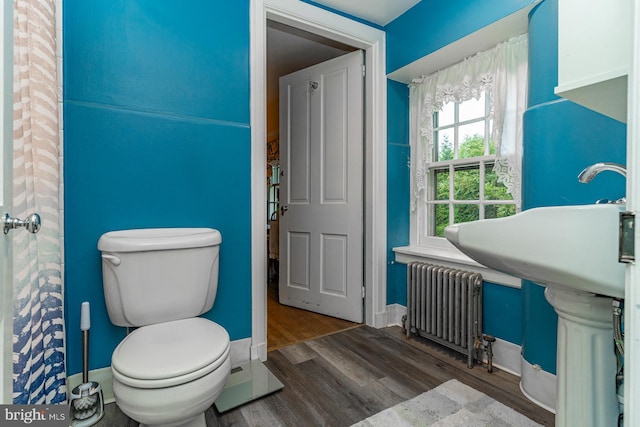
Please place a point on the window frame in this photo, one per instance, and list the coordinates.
(425, 216)
(424, 248)
(440, 250)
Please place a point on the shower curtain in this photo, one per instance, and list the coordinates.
(38, 323)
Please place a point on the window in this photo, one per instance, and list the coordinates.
(466, 141)
(464, 186)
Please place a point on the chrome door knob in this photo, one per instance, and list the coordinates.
(32, 223)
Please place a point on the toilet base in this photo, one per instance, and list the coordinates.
(197, 421)
(177, 406)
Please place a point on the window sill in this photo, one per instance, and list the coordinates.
(443, 253)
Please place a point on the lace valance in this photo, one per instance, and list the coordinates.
(500, 72)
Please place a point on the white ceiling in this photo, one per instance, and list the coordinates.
(379, 12)
(288, 50)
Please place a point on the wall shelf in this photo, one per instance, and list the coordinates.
(594, 54)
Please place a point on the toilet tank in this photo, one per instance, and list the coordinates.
(159, 274)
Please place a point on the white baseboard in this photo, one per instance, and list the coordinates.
(506, 356)
(539, 386)
(258, 351)
(240, 354)
(380, 320)
(395, 313)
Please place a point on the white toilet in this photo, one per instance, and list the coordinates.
(170, 369)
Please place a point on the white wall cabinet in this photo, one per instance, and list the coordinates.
(594, 54)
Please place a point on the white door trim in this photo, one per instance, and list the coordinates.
(310, 18)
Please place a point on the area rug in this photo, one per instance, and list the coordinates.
(450, 404)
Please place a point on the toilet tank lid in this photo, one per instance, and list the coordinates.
(150, 239)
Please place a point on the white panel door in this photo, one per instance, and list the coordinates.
(6, 172)
(321, 217)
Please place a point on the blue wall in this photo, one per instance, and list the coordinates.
(429, 25)
(398, 201)
(156, 134)
(502, 308)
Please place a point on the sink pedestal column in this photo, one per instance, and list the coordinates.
(586, 362)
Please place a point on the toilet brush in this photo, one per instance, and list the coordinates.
(86, 403)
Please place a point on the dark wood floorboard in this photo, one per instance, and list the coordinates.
(339, 379)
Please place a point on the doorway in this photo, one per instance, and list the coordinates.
(289, 50)
(317, 21)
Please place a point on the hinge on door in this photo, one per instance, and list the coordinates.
(626, 249)
(364, 70)
(363, 291)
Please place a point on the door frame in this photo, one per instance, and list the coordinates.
(304, 16)
(632, 282)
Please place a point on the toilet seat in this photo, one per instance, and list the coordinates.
(170, 353)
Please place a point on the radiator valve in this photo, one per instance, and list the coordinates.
(404, 326)
(489, 350)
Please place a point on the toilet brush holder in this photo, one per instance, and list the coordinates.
(86, 404)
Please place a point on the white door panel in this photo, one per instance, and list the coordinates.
(335, 138)
(299, 260)
(321, 152)
(333, 265)
(299, 153)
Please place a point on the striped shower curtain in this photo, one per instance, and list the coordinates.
(38, 323)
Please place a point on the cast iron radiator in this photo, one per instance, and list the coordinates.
(445, 305)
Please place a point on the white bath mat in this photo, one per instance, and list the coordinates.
(450, 404)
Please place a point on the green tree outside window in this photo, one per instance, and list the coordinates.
(466, 185)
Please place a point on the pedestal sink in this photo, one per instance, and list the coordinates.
(573, 251)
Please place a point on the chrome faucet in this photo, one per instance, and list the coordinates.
(590, 172)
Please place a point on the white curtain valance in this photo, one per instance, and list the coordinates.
(501, 72)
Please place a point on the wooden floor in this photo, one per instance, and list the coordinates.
(339, 379)
(288, 325)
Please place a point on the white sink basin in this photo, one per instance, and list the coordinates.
(566, 247)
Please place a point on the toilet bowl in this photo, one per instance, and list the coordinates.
(169, 370)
